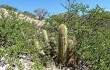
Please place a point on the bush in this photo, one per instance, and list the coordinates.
(92, 32)
(17, 36)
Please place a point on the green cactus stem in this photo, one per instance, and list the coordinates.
(45, 37)
(62, 31)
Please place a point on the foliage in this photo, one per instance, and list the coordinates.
(91, 29)
(10, 8)
(17, 36)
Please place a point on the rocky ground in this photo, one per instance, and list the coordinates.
(26, 63)
(24, 17)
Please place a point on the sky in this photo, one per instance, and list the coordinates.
(52, 6)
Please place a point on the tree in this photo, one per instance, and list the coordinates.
(92, 31)
(41, 13)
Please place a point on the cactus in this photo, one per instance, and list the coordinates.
(62, 31)
(72, 42)
(37, 44)
(38, 47)
(45, 37)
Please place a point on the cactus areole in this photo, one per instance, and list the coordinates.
(62, 48)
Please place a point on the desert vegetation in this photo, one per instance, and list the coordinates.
(78, 39)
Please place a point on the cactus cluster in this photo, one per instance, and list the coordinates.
(62, 55)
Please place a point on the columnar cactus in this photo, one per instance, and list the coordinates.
(45, 36)
(62, 31)
(38, 47)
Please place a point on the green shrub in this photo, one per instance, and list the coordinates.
(17, 36)
(92, 32)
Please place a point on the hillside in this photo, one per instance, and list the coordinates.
(68, 41)
(16, 30)
(23, 17)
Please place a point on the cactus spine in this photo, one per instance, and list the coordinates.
(62, 31)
